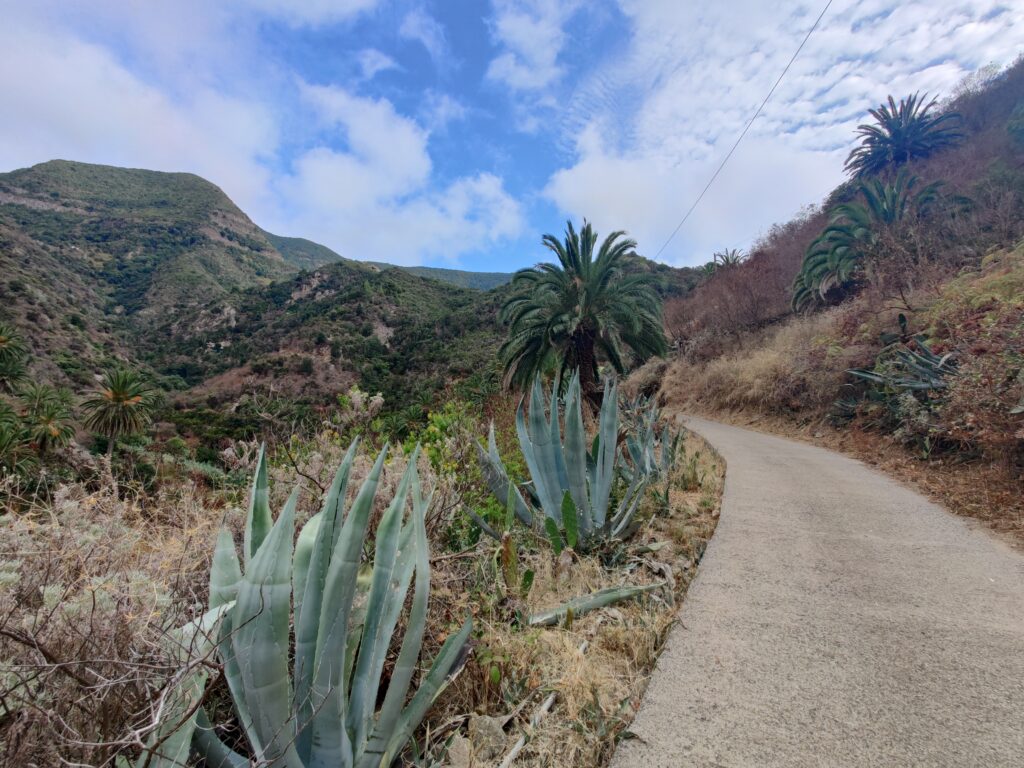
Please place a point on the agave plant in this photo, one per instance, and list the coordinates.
(651, 452)
(305, 628)
(571, 486)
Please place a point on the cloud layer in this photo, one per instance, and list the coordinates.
(649, 127)
(411, 131)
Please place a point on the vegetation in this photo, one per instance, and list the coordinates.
(584, 309)
(123, 405)
(571, 484)
(312, 711)
(907, 341)
(859, 236)
(913, 130)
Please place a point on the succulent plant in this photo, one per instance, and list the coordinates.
(307, 697)
(564, 474)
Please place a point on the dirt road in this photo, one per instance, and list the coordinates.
(837, 619)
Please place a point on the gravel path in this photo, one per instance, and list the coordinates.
(837, 619)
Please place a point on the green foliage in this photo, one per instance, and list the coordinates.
(123, 405)
(46, 417)
(730, 257)
(1015, 125)
(565, 316)
(571, 487)
(904, 389)
(902, 133)
(306, 630)
(836, 260)
(13, 354)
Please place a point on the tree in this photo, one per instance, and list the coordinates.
(837, 258)
(123, 405)
(46, 416)
(902, 133)
(13, 352)
(567, 315)
(730, 257)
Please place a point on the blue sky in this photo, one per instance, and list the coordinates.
(455, 133)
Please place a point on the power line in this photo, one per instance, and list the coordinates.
(745, 129)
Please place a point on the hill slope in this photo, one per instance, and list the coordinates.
(94, 259)
(89, 253)
(306, 340)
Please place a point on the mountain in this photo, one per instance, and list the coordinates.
(164, 271)
(91, 254)
(313, 336)
(305, 254)
(480, 281)
(151, 241)
(302, 253)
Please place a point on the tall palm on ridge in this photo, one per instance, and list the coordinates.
(565, 315)
(123, 405)
(901, 133)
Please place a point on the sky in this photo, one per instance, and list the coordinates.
(456, 132)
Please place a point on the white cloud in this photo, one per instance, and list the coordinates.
(441, 109)
(649, 127)
(361, 180)
(420, 26)
(376, 199)
(372, 62)
(310, 12)
(531, 36)
(80, 104)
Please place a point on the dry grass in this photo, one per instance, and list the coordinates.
(90, 586)
(598, 690)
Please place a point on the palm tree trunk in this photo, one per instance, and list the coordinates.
(586, 360)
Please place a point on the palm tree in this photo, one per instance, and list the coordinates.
(730, 257)
(902, 133)
(46, 416)
(123, 405)
(13, 352)
(835, 260)
(565, 316)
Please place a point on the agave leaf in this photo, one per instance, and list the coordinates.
(580, 605)
(330, 741)
(168, 745)
(497, 477)
(258, 521)
(560, 476)
(576, 455)
(376, 632)
(307, 610)
(535, 443)
(225, 572)
(300, 561)
(405, 666)
(604, 470)
(214, 752)
(260, 630)
(233, 677)
(448, 663)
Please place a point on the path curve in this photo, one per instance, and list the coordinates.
(837, 619)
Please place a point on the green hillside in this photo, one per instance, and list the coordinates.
(305, 254)
(151, 241)
(302, 253)
(317, 333)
